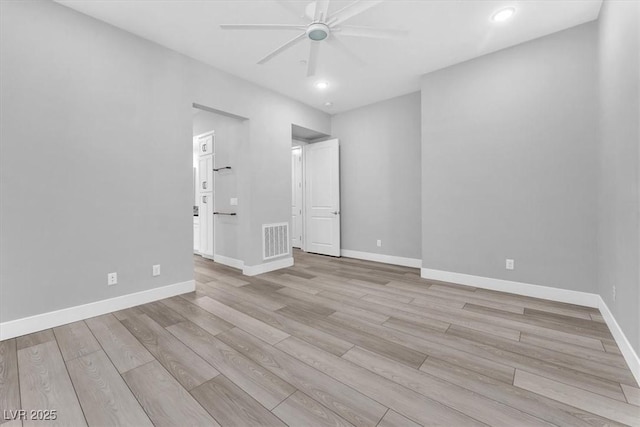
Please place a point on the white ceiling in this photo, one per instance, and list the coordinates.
(441, 33)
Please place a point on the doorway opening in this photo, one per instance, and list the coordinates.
(315, 192)
(217, 139)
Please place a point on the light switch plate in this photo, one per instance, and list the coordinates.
(234, 201)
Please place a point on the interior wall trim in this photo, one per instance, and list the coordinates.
(585, 299)
(39, 322)
(254, 270)
(386, 259)
(536, 291)
(629, 354)
(230, 262)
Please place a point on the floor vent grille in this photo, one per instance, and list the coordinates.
(275, 240)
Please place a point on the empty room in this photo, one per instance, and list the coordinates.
(384, 213)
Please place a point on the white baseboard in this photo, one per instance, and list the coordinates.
(526, 289)
(254, 270)
(39, 322)
(545, 292)
(386, 259)
(231, 262)
(629, 354)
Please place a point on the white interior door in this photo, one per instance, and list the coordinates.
(322, 197)
(296, 197)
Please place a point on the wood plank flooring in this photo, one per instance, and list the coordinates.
(328, 342)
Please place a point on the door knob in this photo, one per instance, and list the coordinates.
(335, 212)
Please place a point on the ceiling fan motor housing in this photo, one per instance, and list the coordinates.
(318, 31)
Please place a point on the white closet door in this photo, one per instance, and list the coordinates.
(205, 174)
(205, 214)
(322, 197)
(205, 144)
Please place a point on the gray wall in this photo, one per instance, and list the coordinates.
(230, 134)
(509, 145)
(618, 231)
(380, 176)
(96, 165)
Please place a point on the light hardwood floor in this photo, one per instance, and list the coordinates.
(328, 342)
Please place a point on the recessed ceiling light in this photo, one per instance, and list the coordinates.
(328, 104)
(503, 14)
(321, 85)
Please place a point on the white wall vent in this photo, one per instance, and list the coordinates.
(275, 240)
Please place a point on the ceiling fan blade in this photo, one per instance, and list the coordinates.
(377, 33)
(282, 48)
(313, 58)
(263, 27)
(351, 10)
(338, 44)
(322, 7)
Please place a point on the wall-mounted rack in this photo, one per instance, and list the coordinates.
(225, 213)
(219, 169)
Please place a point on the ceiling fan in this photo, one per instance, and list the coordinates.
(323, 27)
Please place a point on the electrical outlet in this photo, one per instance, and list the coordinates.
(613, 292)
(233, 201)
(112, 279)
(379, 243)
(156, 270)
(510, 264)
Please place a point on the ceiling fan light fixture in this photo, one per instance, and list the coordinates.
(320, 26)
(321, 85)
(503, 14)
(318, 31)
